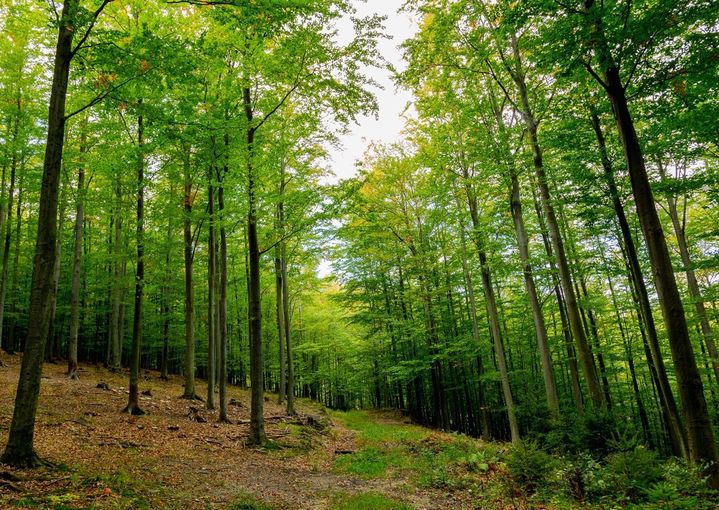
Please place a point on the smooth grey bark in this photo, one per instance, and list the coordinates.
(222, 315)
(492, 313)
(287, 317)
(211, 308)
(565, 276)
(76, 267)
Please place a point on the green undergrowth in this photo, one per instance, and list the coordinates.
(60, 488)
(493, 475)
(366, 501)
(249, 502)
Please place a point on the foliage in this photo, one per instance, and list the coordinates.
(368, 501)
(529, 466)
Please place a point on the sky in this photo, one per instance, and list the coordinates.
(391, 101)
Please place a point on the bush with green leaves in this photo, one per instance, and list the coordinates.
(530, 467)
(631, 473)
(582, 478)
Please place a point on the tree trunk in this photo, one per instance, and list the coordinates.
(279, 288)
(165, 309)
(257, 422)
(492, 313)
(288, 331)
(189, 391)
(483, 411)
(12, 341)
(222, 333)
(700, 436)
(565, 276)
(211, 322)
(19, 449)
(7, 221)
(692, 282)
(675, 427)
(133, 401)
(76, 266)
(280, 315)
(540, 327)
(51, 352)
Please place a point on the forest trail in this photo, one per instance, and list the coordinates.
(177, 456)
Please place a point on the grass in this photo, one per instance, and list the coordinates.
(366, 501)
(248, 502)
(440, 461)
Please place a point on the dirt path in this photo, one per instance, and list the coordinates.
(171, 460)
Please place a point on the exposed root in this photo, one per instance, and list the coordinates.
(134, 410)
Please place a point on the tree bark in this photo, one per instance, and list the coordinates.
(492, 314)
(565, 276)
(485, 431)
(222, 333)
(257, 422)
(7, 223)
(211, 322)
(279, 287)
(692, 283)
(77, 266)
(188, 249)
(19, 449)
(700, 436)
(287, 317)
(133, 401)
(675, 428)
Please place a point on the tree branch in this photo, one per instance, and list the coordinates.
(95, 15)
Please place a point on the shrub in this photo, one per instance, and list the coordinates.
(633, 472)
(529, 466)
(582, 478)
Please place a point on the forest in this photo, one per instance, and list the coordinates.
(524, 284)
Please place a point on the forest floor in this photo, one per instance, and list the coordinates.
(178, 457)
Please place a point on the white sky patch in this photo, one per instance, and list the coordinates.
(392, 101)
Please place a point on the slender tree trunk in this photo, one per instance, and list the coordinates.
(540, 327)
(700, 436)
(51, 352)
(189, 391)
(286, 315)
(483, 411)
(7, 221)
(133, 401)
(211, 322)
(257, 422)
(280, 311)
(222, 333)
(19, 449)
(575, 384)
(565, 276)
(12, 341)
(492, 314)
(77, 266)
(692, 282)
(675, 427)
(165, 309)
(117, 291)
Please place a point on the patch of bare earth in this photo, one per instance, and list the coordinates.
(178, 456)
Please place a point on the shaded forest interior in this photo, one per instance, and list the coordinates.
(536, 262)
